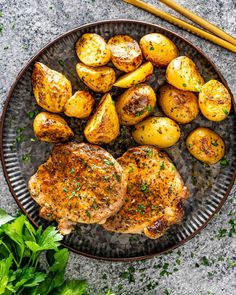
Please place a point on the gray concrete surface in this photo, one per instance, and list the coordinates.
(25, 27)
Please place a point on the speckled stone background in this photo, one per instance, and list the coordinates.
(205, 265)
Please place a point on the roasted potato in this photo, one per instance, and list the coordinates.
(51, 89)
(184, 74)
(159, 131)
(103, 126)
(51, 128)
(214, 101)
(137, 76)
(158, 49)
(92, 50)
(135, 104)
(205, 145)
(126, 54)
(80, 105)
(179, 105)
(99, 79)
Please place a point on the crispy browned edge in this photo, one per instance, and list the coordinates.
(33, 59)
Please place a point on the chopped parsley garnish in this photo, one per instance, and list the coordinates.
(194, 180)
(65, 190)
(214, 143)
(224, 162)
(141, 208)
(138, 114)
(162, 166)
(190, 145)
(32, 114)
(144, 188)
(131, 169)
(71, 195)
(72, 171)
(205, 261)
(25, 158)
(148, 108)
(173, 168)
(88, 214)
(32, 139)
(149, 153)
(20, 136)
(109, 163)
(225, 111)
(151, 48)
(118, 177)
(184, 85)
(61, 62)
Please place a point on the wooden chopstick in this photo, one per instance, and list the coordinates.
(182, 24)
(200, 21)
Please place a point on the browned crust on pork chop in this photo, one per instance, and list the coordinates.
(155, 192)
(79, 183)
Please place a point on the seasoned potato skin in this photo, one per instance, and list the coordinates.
(205, 145)
(158, 49)
(51, 89)
(159, 131)
(99, 79)
(51, 128)
(92, 50)
(80, 105)
(126, 54)
(214, 101)
(103, 126)
(183, 73)
(135, 104)
(138, 76)
(181, 106)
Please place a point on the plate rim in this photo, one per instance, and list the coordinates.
(5, 107)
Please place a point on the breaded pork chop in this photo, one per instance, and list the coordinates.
(155, 192)
(78, 183)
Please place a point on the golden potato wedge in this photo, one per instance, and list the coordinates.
(181, 106)
(159, 131)
(214, 101)
(92, 50)
(139, 75)
(135, 104)
(158, 49)
(205, 145)
(126, 54)
(51, 89)
(80, 105)
(184, 74)
(103, 126)
(51, 128)
(99, 79)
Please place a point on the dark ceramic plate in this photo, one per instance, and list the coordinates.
(209, 185)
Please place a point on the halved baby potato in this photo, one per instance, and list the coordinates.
(214, 101)
(92, 50)
(159, 131)
(158, 49)
(80, 105)
(135, 104)
(126, 54)
(103, 126)
(183, 73)
(99, 79)
(139, 75)
(51, 128)
(181, 106)
(51, 89)
(205, 145)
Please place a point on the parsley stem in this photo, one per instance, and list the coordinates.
(6, 247)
